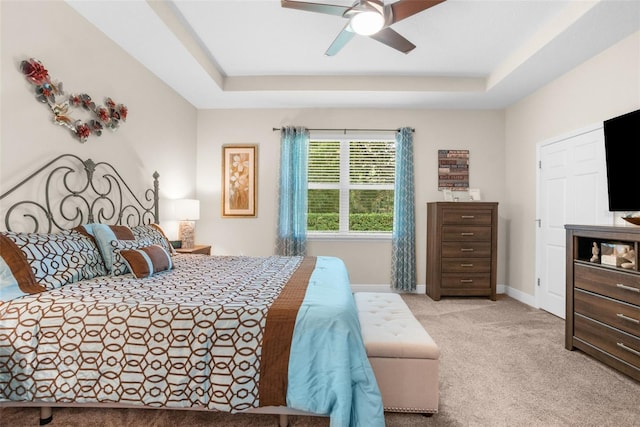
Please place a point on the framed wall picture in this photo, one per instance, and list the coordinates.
(453, 170)
(239, 182)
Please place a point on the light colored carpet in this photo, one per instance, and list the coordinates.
(502, 363)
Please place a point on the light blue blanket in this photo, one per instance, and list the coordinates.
(329, 372)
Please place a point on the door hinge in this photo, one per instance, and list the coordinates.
(539, 221)
(538, 281)
(539, 164)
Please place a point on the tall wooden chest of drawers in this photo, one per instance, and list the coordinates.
(462, 249)
(603, 301)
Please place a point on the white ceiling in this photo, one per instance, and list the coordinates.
(256, 54)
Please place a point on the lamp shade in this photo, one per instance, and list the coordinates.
(367, 23)
(186, 209)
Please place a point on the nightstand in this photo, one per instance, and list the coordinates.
(197, 249)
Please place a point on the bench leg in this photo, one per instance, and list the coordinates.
(46, 415)
(284, 420)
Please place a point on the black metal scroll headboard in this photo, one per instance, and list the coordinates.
(69, 191)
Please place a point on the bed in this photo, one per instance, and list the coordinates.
(96, 309)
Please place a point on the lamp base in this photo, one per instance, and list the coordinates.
(186, 233)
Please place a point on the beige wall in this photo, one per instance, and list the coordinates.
(167, 134)
(368, 261)
(159, 134)
(603, 87)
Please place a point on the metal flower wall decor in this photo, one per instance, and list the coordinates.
(51, 93)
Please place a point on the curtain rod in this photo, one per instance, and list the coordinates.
(354, 130)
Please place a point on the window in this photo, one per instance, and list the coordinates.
(351, 185)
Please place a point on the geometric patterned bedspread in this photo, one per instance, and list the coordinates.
(187, 337)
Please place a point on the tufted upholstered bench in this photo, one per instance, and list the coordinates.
(404, 358)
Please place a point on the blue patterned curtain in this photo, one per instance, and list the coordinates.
(292, 210)
(403, 255)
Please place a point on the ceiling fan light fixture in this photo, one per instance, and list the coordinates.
(367, 22)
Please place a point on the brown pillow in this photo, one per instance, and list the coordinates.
(122, 232)
(146, 261)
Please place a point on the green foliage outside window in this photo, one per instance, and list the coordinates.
(371, 165)
(357, 222)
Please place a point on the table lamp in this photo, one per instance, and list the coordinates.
(187, 211)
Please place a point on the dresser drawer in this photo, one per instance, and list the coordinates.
(612, 312)
(470, 217)
(615, 284)
(466, 281)
(610, 340)
(466, 249)
(466, 265)
(466, 233)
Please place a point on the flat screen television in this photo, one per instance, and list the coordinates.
(622, 150)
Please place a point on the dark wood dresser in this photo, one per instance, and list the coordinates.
(603, 301)
(462, 249)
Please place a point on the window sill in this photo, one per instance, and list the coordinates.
(348, 237)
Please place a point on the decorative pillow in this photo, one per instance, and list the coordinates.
(16, 276)
(86, 229)
(104, 235)
(154, 233)
(120, 232)
(59, 258)
(119, 266)
(146, 261)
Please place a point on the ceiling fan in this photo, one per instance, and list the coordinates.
(370, 18)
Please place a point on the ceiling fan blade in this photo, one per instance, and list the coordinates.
(342, 39)
(405, 8)
(330, 9)
(392, 39)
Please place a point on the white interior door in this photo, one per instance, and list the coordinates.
(553, 171)
(572, 189)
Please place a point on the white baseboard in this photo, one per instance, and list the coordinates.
(422, 289)
(518, 295)
(501, 289)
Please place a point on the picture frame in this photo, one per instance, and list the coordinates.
(453, 170)
(239, 180)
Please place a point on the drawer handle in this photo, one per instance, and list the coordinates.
(467, 216)
(466, 280)
(466, 234)
(629, 349)
(630, 319)
(466, 250)
(466, 265)
(628, 288)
